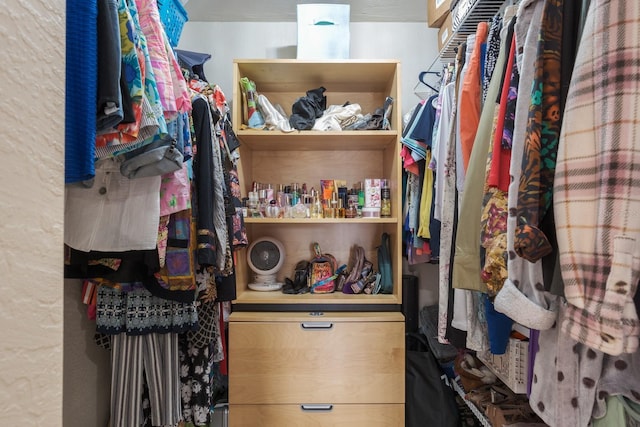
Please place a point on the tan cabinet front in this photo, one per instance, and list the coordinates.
(324, 361)
(316, 415)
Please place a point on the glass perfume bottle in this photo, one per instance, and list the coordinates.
(385, 198)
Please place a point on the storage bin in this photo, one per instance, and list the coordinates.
(173, 17)
(323, 31)
(510, 367)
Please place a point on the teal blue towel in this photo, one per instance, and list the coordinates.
(80, 89)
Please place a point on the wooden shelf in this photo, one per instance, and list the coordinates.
(317, 140)
(321, 221)
(308, 157)
(257, 297)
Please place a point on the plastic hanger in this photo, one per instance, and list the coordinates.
(421, 82)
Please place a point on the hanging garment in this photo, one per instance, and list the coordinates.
(109, 110)
(195, 382)
(572, 381)
(493, 235)
(151, 27)
(80, 89)
(440, 147)
(471, 95)
(466, 264)
(175, 192)
(176, 278)
(209, 188)
(194, 62)
(522, 296)
(461, 169)
(116, 214)
(541, 140)
(491, 56)
(135, 311)
(149, 125)
(153, 357)
(449, 214)
(596, 192)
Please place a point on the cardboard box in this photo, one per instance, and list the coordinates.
(437, 11)
(445, 33)
(323, 31)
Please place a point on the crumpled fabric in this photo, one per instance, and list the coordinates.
(338, 117)
(273, 119)
(307, 109)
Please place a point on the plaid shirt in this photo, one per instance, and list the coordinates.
(597, 182)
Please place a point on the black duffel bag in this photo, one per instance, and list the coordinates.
(429, 401)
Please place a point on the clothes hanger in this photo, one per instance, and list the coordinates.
(421, 82)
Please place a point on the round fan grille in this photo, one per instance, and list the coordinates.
(265, 255)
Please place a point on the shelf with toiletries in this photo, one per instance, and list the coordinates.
(312, 156)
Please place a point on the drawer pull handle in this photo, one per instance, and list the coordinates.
(317, 325)
(316, 407)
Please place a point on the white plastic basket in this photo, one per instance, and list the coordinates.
(511, 367)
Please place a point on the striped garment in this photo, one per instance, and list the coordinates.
(138, 359)
(597, 183)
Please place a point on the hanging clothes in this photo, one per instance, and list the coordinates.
(522, 296)
(596, 190)
(81, 86)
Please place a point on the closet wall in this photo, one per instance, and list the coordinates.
(413, 43)
(31, 208)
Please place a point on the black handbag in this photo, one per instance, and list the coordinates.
(429, 401)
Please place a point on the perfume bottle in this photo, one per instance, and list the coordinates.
(341, 209)
(316, 205)
(385, 198)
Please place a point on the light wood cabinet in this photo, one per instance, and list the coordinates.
(316, 415)
(319, 359)
(322, 369)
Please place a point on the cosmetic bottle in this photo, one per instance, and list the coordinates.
(385, 198)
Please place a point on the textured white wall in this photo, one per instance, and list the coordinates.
(414, 44)
(31, 208)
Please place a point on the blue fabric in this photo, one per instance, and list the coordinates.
(423, 129)
(499, 327)
(80, 89)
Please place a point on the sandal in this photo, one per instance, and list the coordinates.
(511, 412)
(480, 397)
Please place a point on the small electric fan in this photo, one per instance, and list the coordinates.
(265, 257)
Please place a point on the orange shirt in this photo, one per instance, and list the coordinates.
(471, 96)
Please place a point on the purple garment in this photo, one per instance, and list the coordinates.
(534, 334)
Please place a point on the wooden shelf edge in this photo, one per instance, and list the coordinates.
(276, 297)
(320, 221)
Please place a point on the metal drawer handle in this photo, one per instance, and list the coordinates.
(316, 407)
(317, 325)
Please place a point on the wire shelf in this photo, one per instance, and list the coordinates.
(455, 383)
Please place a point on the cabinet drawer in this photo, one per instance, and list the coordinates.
(320, 416)
(316, 362)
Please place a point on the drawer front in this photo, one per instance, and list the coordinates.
(316, 362)
(387, 415)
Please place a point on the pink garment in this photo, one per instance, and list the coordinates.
(153, 31)
(180, 91)
(175, 192)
